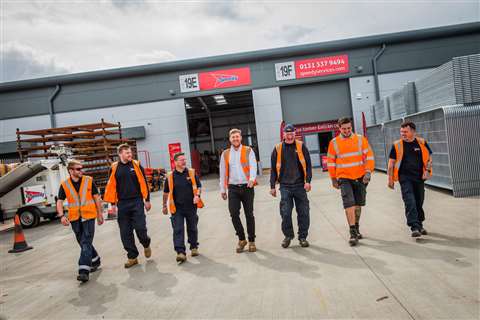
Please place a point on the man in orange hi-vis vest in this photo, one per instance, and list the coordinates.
(410, 164)
(350, 165)
(291, 167)
(128, 189)
(238, 176)
(181, 197)
(84, 207)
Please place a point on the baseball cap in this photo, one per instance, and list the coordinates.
(289, 128)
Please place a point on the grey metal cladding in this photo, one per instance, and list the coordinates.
(318, 102)
(28, 103)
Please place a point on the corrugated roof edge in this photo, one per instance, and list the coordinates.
(244, 57)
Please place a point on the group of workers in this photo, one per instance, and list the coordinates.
(350, 163)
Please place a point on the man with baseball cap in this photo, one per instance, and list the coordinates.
(292, 169)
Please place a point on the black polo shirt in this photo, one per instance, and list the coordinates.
(128, 186)
(182, 191)
(412, 162)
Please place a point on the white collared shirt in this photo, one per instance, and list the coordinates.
(235, 171)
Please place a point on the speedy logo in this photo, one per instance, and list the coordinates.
(222, 78)
(33, 195)
(225, 78)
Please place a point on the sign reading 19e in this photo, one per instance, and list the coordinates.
(189, 82)
(285, 70)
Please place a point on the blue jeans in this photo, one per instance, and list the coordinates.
(131, 216)
(290, 195)
(413, 193)
(188, 215)
(84, 232)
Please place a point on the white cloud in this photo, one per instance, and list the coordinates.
(92, 35)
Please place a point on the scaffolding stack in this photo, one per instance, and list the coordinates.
(93, 144)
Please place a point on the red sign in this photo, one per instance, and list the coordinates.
(316, 127)
(225, 78)
(172, 149)
(324, 66)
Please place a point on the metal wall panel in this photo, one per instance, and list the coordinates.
(466, 72)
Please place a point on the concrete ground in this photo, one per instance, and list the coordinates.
(389, 276)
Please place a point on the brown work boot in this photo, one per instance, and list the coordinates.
(148, 252)
(195, 252)
(181, 257)
(130, 263)
(241, 245)
(252, 247)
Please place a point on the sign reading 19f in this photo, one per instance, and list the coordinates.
(285, 70)
(189, 82)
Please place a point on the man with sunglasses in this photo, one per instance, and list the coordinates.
(84, 206)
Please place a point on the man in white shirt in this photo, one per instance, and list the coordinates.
(238, 173)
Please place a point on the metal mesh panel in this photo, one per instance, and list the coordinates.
(382, 110)
(376, 139)
(397, 104)
(436, 89)
(431, 126)
(466, 72)
(464, 148)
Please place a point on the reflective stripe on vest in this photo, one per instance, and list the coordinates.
(111, 188)
(360, 152)
(171, 203)
(80, 205)
(244, 162)
(300, 155)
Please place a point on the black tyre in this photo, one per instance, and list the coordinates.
(29, 217)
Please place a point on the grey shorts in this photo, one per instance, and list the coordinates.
(354, 192)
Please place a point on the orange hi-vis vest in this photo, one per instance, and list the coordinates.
(244, 162)
(398, 145)
(111, 188)
(300, 155)
(171, 203)
(80, 204)
(349, 158)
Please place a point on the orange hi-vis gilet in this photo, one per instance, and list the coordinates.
(171, 203)
(349, 158)
(398, 145)
(300, 155)
(244, 162)
(111, 188)
(80, 204)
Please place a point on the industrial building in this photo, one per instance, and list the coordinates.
(195, 102)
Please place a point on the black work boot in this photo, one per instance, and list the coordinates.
(423, 231)
(359, 235)
(416, 233)
(353, 236)
(286, 242)
(83, 277)
(303, 243)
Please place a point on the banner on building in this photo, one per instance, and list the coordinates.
(315, 67)
(217, 79)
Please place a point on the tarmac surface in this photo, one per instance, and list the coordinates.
(388, 276)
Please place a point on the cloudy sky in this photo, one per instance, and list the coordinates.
(44, 38)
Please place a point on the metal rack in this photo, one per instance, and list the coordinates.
(94, 144)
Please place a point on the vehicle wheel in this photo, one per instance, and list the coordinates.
(29, 217)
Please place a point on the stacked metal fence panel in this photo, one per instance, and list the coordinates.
(382, 110)
(376, 139)
(436, 89)
(466, 72)
(431, 126)
(403, 101)
(464, 148)
(391, 131)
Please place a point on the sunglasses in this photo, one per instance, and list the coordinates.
(77, 169)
